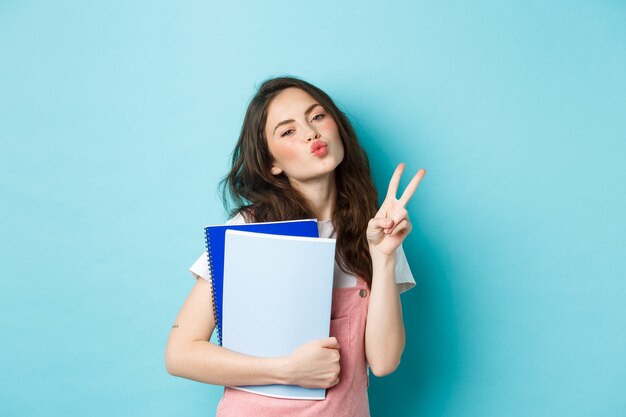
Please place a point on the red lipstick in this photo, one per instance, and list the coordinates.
(319, 148)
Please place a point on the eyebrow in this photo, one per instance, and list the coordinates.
(311, 107)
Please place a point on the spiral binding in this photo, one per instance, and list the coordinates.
(218, 322)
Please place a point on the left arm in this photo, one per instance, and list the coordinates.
(385, 336)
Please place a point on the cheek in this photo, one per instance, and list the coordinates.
(331, 131)
(328, 124)
(284, 151)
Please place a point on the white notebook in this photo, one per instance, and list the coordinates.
(277, 295)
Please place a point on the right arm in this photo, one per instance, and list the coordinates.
(189, 353)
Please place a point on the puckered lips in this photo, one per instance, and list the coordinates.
(319, 148)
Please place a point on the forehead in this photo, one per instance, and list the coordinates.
(288, 104)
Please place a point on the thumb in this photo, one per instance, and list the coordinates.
(376, 228)
(330, 342)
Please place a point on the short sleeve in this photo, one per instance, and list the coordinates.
(200, 268)
(404, 277)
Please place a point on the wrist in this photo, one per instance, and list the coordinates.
(281, 370)
(381, 258)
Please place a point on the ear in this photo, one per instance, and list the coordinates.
(276, 170)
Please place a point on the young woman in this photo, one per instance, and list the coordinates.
(298, 157)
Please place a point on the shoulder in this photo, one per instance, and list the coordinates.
(200, 267)
(237, 219)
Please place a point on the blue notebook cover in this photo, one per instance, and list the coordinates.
(214, 239)
(277, 296)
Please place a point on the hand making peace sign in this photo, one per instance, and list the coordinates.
(390, 225)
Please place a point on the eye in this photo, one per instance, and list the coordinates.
(321, 115)
(286, 132)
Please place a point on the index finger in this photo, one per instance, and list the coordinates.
(394, 182)
(410, 189)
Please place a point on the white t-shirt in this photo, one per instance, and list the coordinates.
(404, 277)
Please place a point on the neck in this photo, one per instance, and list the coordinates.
(320, 193)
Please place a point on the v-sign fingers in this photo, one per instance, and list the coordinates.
(410, 189)
(394, 182)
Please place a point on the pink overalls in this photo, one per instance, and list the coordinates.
(346, 399)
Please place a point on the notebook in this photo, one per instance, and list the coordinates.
(277, 295)
(214, 240)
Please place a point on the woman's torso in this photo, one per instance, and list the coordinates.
(349, 397)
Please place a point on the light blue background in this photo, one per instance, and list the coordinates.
(117, 120)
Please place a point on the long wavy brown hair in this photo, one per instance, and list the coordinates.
(261, 196)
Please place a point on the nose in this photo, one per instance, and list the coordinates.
(312, 135)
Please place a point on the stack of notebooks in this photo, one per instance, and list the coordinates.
(272, 291)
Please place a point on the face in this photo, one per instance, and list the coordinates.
(302, 137)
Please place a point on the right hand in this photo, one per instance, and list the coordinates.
(314, 364)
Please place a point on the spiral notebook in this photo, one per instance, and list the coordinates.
(277, 295)
(214, 240)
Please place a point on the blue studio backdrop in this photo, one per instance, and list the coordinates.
(117, 120)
